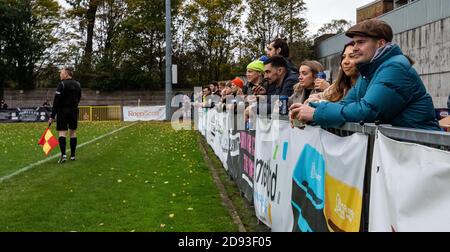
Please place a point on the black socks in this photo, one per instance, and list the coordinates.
(73, 146)
(62, 145)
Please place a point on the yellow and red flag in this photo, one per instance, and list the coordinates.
(48, 141)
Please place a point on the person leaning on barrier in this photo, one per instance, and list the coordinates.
(346, 79)
(307, 79)
(214, 86)
(232, 94)
(221, 87)
(225, 93)
(206, 97)
(65, 110)
(3, 105)
(236, 86)
(255, 76)
(280, 80)
(389, 90)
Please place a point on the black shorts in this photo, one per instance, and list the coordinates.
(67, 118)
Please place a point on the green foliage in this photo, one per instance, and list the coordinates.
(301, 51)
(120, 44)
(277, 19)
(334, 27)
(27, 35)
(48, 77)
(208, 39)
(128, 49)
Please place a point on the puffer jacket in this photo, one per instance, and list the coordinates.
(389, 90)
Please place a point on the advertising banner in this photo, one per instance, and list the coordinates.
(410, 186)
(38, 114)
(272, 176)
(247, 160)
(308, 180)
(327, 180)
(150, 113)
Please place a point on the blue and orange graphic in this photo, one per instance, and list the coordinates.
(308, 191)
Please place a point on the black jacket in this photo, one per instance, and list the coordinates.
(291, 66)
(68, 95)
(286, 89)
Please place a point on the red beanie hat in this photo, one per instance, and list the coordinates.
(238, 82)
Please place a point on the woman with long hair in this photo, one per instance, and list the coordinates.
(309, 70)
(346, 79)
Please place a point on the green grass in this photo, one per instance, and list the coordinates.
(19, 142)
(243, 207)
(144, 178)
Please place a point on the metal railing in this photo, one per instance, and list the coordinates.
(435, 139)
(100, 113)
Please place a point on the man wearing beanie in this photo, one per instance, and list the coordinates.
(255, 77)
(389, 90)
(257, 66)
(236, 86)
(238, 82)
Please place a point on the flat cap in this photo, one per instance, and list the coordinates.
(374, 28)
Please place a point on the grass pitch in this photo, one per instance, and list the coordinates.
(147, 177)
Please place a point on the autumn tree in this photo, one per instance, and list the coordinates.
(212, 28)
(272, 19)
(29, 29)
(336, 26)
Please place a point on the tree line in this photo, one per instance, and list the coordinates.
(120, 44)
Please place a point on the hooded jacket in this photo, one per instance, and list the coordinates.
(389, 90)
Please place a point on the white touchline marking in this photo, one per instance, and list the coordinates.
(24, 169)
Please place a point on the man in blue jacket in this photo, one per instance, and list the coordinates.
(389, 90)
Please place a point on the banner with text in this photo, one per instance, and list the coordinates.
(314, 185)
(272, 174)
(327, 180)
(410, 186)
(39, 114)
(151, 113)
(247, 160)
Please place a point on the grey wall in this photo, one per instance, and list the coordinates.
(429, 46)
(36, 97)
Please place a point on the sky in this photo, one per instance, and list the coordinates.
(320, 12)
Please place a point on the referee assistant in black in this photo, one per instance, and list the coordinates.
(65, 110)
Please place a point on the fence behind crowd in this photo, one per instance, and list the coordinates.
(100, 113)
(356, 178)
(88, 114)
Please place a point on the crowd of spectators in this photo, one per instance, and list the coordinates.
(376, 82)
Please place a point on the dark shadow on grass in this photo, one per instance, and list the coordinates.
(243, 208)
